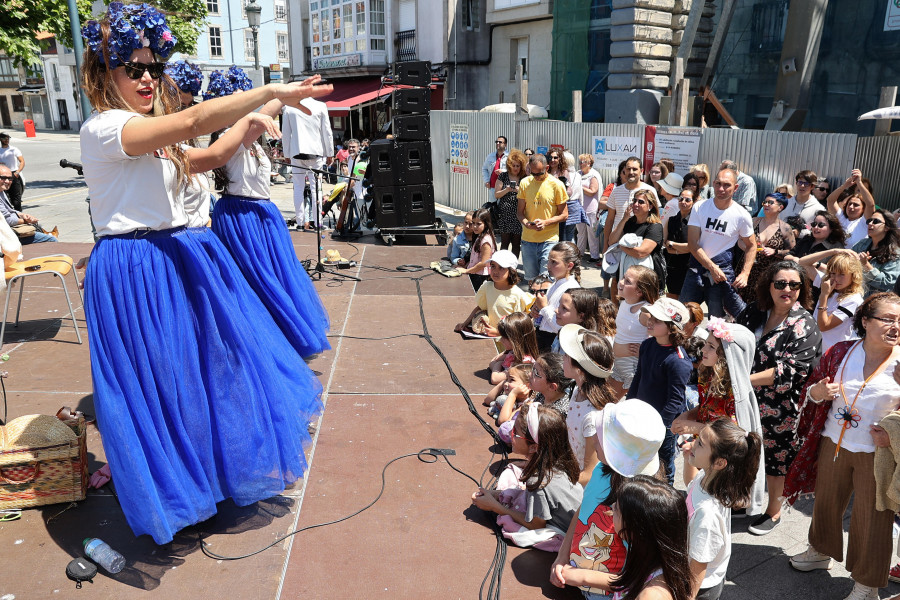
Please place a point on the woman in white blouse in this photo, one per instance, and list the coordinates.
(199, 396)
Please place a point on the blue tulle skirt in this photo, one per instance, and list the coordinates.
(255, 233)
(199, 396)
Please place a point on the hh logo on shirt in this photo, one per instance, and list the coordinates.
(717, 225)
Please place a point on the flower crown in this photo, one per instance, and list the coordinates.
(720, 329)
(187, 77)
(131, 27)
(224, 84)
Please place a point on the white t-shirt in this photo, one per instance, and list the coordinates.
(249, 172)
(127, 192)
(855, 230)
(843, 311)
(628, 324)
(588, 201)
(196, 200)
(10, 157)
(720, 229)
(580, 424)
(621, 196)
(709, 532)
(874, 403)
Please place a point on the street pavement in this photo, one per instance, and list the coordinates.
(759, 566)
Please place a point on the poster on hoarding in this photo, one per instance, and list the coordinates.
(681, 145)
(892, 16)
(459, 149)
(609, 151)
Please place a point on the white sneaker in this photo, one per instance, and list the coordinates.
(862, 592)
(811, 560)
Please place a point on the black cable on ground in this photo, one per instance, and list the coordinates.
(431, 453)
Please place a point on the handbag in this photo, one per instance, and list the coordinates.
(24, 230)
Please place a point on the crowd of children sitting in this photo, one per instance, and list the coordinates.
(598, 400)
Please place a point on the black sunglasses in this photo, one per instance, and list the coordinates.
(781, 284)
(6, 178)
(874, 221)
(499, 142)
(135, 70)
(538, 292)
(819, 225)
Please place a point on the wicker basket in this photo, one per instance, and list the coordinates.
(42, 461)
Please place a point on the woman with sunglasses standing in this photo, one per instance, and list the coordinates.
(847, 396)
(676, 243)
(879, 253)
(788, 347)
(158, 294)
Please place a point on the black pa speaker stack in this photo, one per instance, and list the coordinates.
(399, 176)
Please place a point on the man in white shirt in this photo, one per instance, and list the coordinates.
(622, 194)
(494, 163)
(745, 193)
(12, 158)
(804, 203)
(14, 217)
(715, 226)
(309, 136)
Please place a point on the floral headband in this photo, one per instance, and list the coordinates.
(187, 77)
(720, 329)
(131, 27)
(224, 84)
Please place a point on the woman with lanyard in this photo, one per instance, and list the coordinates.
(847, 395)
(787, 349)
(199, 396)
(252, 228)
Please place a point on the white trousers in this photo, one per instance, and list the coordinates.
(302, 212)
(586, 236)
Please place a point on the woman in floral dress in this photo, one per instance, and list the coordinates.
(508, 226)
(788, 347)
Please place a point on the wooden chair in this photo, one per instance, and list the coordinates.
(58, 265)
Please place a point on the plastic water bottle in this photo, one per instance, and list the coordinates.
(101, 553)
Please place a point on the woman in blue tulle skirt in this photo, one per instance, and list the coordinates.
(252, 228)
(199, 395)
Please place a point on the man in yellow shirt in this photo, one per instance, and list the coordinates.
(542, 207)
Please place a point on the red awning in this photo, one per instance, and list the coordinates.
(350, 94)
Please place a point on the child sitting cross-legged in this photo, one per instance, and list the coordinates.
(500, 296)
(518, 383)
(539, 504)
(549, 386)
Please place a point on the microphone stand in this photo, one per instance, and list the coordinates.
(317, 271)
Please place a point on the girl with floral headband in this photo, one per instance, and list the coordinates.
(725, 392)
(199, 396)
(188, 80)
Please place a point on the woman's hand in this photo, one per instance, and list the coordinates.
(768, 251)
(260, 123)
(292, 93)
(864, 261)
(880, 436)
(823, 390)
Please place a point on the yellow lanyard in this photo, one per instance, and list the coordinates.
(848, 415)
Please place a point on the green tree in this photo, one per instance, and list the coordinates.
(20, 20)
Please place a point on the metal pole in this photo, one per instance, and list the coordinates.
(255, 50)
(78, 48)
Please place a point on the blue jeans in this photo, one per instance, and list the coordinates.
(719, 297)
(667, 453)
(567, 232)
(38, 238)
(534, 258)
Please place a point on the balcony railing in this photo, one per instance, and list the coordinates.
(406, 45)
